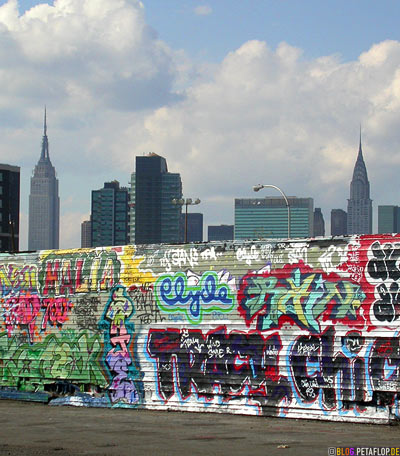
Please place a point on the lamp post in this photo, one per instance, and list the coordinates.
(186, 202)
(258, 187)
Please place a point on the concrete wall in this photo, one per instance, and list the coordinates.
(307, 328)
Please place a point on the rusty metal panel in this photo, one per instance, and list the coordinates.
(305, 328)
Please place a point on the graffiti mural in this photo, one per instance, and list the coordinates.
(304, 328)
(78, 273)
(229, 365)
(383, 271)
(300, 293)
(193, 296)
(145, 304)
(118, 354)
(23, 311)
(70, 359)
(17, 277)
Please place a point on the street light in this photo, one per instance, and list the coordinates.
(259, 187)
(186, 202)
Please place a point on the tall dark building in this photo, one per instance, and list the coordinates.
(194, 227)
(86, 234)
(388, 219)
(220, 232)
(154, 218)
(44, 203)
(319, 223)
(359, 207)
(109, 218)
(9, 208)
(338, 222)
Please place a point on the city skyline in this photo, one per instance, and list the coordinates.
(359, 174)
(270, 104)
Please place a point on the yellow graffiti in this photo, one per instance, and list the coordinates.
(16, 276)
(131, 273)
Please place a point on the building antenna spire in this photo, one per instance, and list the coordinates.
(45, 142)
(45, 121)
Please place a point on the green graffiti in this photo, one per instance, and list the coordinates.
(303, 296)
(71, 357)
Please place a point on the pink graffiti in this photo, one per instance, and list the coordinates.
(23, 310)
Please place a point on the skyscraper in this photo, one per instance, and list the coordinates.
(44, 203)
(86, 234)
(268, 217)
(388, 219)
(9, 208)
(194, 227)
(109, 218)
(359, 206)
(153, 217)
(338, 222)
(220, 232)
(319, 223)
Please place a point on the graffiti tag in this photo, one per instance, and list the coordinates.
(176, 294)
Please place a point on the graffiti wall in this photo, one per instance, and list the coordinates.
(304, 328)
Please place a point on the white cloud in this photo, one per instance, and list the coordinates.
(85, 50)
(261, 115)
(203, 10)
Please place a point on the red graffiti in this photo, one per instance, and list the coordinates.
(56, 311)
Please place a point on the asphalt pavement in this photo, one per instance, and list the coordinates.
(39, 429)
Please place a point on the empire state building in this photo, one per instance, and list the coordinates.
(359, 206)
(44, 203)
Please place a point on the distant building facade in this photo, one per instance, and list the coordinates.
(154, 218)
(220, 232)
(9, 208)
(388, 219)
(338, 222)
(359, 207)
(319, 222)
(268, 217)
(86, 234)
(109, 217)
(44, 202)
(194, 227)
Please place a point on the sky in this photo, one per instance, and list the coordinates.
(231, 92)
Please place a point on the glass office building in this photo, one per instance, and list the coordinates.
(257, 218)
(388, 219)
(9, 208)
(194, 227)
(154, 218)
(109, 218)
(338, 222)
(220, 232)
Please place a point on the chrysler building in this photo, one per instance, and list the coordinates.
(359, 206)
